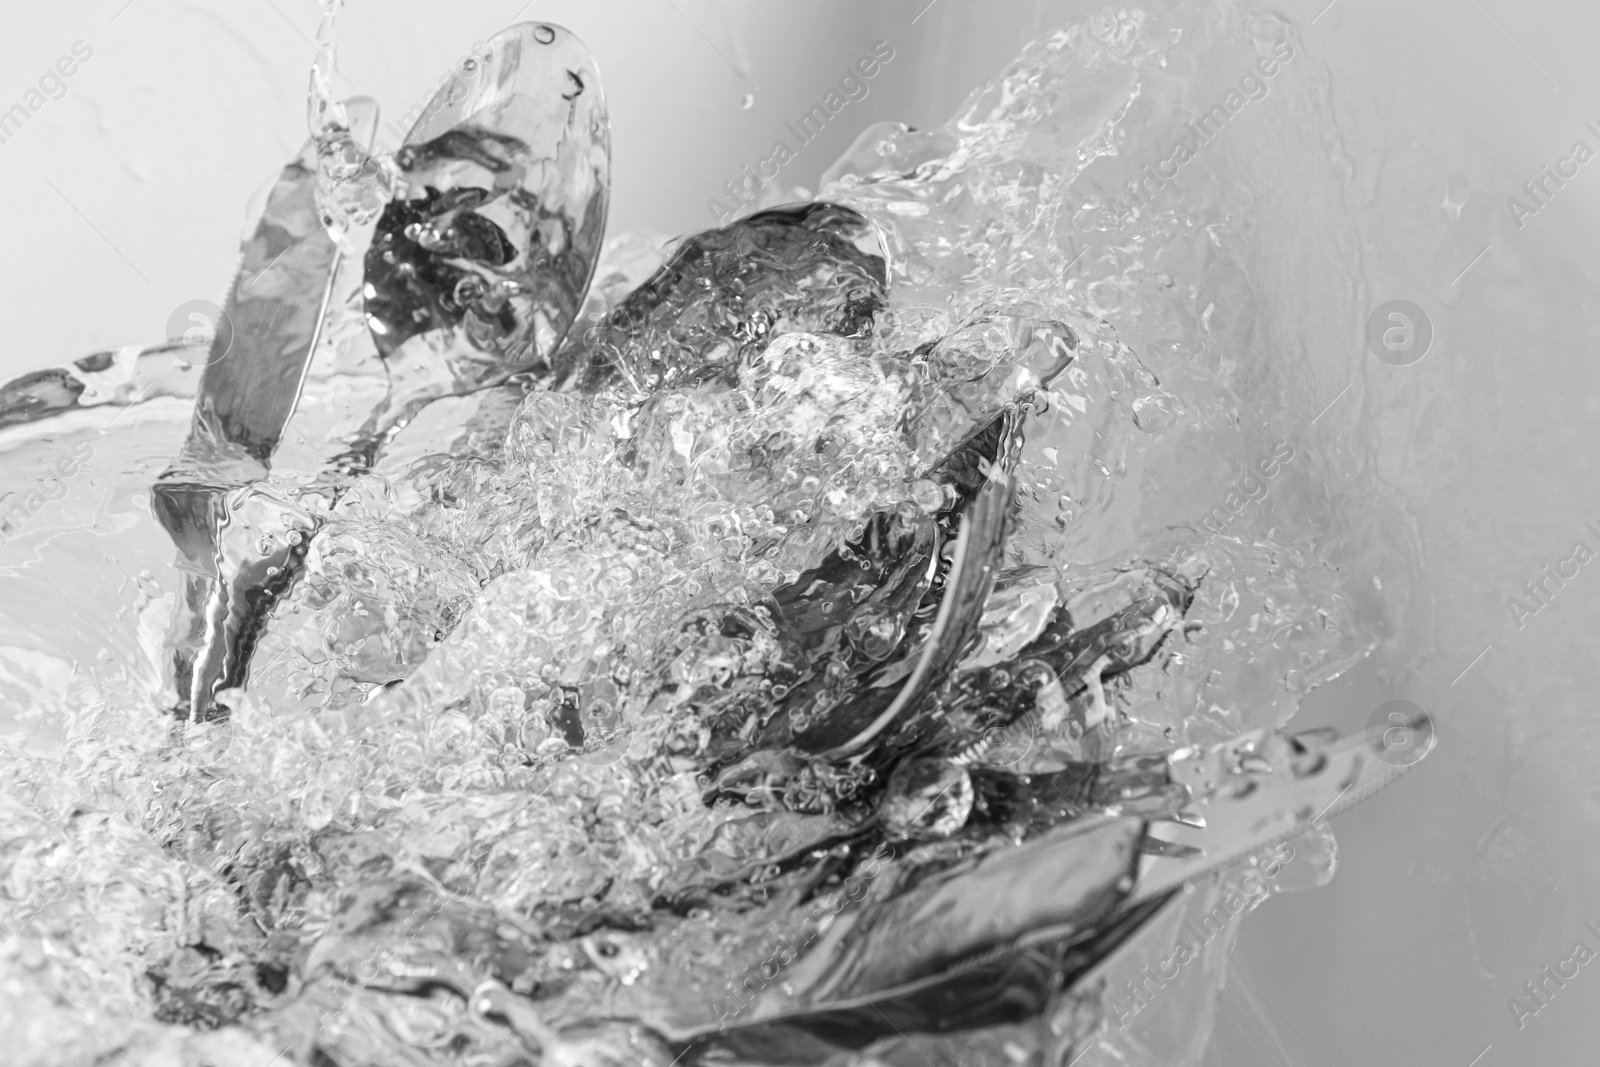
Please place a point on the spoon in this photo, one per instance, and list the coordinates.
(478, 269)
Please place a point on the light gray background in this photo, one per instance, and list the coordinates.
(189, 106)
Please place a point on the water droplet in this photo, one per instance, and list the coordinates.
(928, 495)
(1154, 414)
(928, 798)
(468, 290)
(748, 102)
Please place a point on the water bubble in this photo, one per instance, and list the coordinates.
(873, 633)
(201, 744)
(544, 34)
(603, 719)
(1003, 744)
(928, 798)
(928, 495)
(1154, 414)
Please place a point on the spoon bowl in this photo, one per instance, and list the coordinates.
(480, 263)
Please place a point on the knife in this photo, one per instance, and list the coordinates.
(248, 389)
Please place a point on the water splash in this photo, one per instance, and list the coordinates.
(529, 583)
(352, 185)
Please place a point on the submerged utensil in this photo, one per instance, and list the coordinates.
(1262, 788)
(479, 267)
(246, 395)
(988, 940)
(940, 943)
(475, 273)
